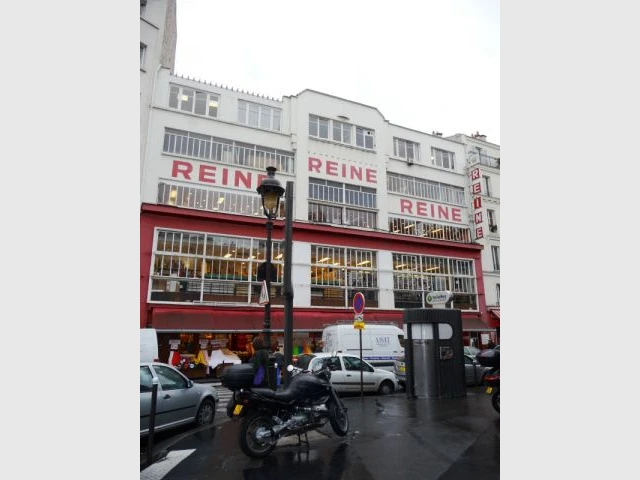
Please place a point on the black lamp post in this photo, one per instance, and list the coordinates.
(271, 191)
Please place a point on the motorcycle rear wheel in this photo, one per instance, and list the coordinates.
(495, 401)
(249, 444)
(339, 419)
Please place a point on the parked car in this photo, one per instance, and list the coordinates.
(345, 372)
(399, 369)
(179, 400)
(473, 351)
(474, 372)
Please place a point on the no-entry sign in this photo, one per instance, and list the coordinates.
(358, 303)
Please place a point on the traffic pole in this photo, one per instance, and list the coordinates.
(152, 420)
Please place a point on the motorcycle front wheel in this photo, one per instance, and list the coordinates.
(339, 419)
(256, 435)
(495, 401)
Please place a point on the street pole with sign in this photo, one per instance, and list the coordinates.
(358, 322)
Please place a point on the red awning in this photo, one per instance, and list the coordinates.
(494, 317)
(230, 320)
(474, 325)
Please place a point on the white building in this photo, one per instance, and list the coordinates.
(483, 159)
(378, 208)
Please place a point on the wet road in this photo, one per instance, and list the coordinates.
(389, 436)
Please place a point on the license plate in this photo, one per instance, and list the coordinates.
(488, 390)
(401, 369)
(237, 410)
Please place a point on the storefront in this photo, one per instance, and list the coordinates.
(207, 354)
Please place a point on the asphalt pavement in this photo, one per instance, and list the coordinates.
(446, 439)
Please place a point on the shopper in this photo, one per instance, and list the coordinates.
(260, 362)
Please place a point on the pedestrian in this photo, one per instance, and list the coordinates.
(260, 362)
(279, 361)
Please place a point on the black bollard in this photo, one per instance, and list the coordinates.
(152, 420)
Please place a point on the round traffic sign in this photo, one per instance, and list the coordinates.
(358, 303)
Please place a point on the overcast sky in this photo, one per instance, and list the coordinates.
(425, 64)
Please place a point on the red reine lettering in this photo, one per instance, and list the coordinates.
(183, 168)
(314, 164)
(207, 174)
(332, 168)
(405, 206)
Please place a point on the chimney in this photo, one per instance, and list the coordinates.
(478, 136)
(437, 134)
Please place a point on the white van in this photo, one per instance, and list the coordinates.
(381, 344)
(148, 345)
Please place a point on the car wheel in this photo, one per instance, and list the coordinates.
(386, 388)
(206, 412)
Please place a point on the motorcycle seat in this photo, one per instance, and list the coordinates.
(283, 396)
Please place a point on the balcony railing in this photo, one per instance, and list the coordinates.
(483, 160)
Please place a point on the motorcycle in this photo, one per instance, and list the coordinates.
(307, 403)
(492, 380)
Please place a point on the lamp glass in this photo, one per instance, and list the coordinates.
(271, 202)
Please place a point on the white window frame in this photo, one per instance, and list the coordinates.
(443, 158)
(143, 54)
(188, 99)
(316, 124)
(401, 149)
(344, 132)
(495, 255)
(486, 185)
(259, 116)
(362, 135)
(491, 217)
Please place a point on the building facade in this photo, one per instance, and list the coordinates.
(483, 161)
(378, 209)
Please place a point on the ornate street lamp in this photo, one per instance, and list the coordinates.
(271, 191)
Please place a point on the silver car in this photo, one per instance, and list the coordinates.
(474, 372)
(179, 401)
(345, 373)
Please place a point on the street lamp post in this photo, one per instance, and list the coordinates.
(271, 191)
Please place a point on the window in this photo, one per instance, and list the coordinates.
(169, 379)
(416, 275)
(195, 267)
(193, 101)
(498, 293)
(495, 253)
(442, 158)
(406, 149)
(364, 138)
(405, 226)
(345, 196)
(340, 132)
(486, 185)
(257, 115)
(337, 273)
(354, 364)
(227, 151)
(143, 53)
(146, 379)
(318, 127)
(418, 187)
(491, 216)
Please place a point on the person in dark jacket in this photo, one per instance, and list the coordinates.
(260, 359)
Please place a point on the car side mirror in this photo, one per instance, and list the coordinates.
(190, 384)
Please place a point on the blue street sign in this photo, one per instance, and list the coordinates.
(358, 303)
